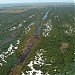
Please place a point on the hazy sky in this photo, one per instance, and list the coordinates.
(30, 1)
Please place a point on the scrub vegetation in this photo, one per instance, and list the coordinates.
(53, 49)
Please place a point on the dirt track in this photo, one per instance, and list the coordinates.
(30, 44)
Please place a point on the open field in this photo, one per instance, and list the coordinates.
(37, 40)
(13, 10)
(16, 9)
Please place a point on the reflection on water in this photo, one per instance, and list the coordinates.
(45, 16)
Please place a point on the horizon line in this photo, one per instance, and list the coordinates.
(34, 2)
